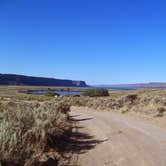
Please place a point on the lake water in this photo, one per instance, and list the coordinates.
(42, 92)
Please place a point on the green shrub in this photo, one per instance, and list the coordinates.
(50, 94)
(96, 92)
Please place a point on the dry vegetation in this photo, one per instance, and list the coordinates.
(30, 129)
(149, 102)
(32, 126)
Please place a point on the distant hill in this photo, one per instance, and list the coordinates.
(13, 79)
(152, 85)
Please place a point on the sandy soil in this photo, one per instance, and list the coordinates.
(111, 139)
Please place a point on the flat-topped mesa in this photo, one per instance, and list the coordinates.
(79, 83)
(13, 79)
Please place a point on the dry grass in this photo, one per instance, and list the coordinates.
(149, 102)
(28, 128)
(30, 124)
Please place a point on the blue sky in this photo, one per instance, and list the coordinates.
(99, 41)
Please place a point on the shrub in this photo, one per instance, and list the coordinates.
(26, 128)
(161, 111)
(96, 92)
(131, 97)
(50, 94)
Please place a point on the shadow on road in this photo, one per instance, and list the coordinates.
(82, 142)
(79, 141)
(78, 120)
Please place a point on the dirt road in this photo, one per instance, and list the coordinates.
(110, 139)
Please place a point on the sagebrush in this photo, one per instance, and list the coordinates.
(27, 127)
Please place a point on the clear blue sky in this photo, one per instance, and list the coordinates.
(99, 41)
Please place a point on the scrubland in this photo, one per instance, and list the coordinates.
(33, 126)
(148, 104)
(31, 130)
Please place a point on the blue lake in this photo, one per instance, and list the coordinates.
(42, 92)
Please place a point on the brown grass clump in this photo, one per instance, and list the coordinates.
(161, 111)
(27, 129)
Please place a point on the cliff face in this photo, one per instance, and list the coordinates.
(12, 79)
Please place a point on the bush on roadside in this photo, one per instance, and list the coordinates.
(161, 111)
(27, 130)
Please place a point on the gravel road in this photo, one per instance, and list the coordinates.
(110, 139)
